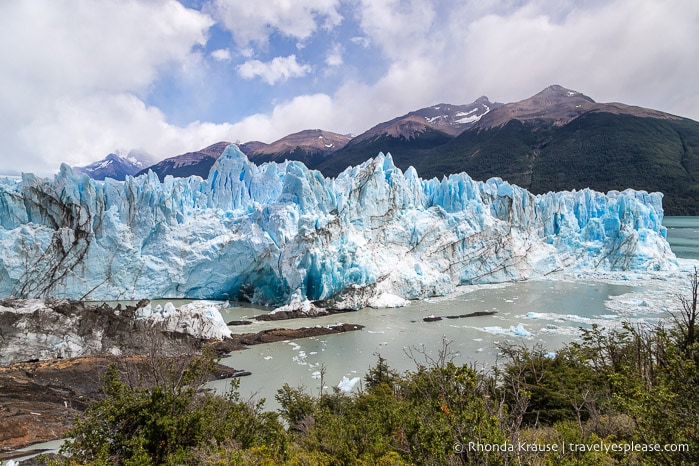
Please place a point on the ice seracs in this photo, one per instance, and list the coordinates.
(283, 234)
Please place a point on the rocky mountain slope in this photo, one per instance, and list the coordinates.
(312, 147)
(192, 163)
(561, 139)
(412, 133)
(558, 139)
(557, 106)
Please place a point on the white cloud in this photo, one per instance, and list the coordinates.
(279, 69)
(80, 128)
(221, 55)
(465, 50)
(400, 28)
(299, 113)
(69, 46)
(66, 62)
(255, 21)
(76, 73)
(334, 56)
(635, 51)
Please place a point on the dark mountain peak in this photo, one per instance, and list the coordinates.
(557, 106)
(448, 119)
(191, 163)
(554, 105)
(215, 150)
(250, 146)
(556, 95)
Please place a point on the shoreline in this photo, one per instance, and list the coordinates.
(42, 392)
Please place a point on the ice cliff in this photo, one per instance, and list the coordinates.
(281, 233)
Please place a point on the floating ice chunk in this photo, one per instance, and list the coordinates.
(347, 384)
(387, 300)
(198, 319)
(518, 331)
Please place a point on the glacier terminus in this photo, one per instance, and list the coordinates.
(280, 233)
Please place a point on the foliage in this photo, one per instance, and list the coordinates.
(170, 422)
(638, 385)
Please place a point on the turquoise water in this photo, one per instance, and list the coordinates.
(683, 236)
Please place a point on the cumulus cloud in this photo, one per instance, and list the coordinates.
(279, 69)
(634, 51)
(76, 74)
(102, 123)
(255, 21)
(630, 50)
(221, 55)
(400, 28)
(73, 71)
(301, 112)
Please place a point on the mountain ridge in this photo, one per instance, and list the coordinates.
(545, 142)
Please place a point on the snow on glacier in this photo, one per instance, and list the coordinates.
(281, 233)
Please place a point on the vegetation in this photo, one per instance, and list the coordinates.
(626, 396)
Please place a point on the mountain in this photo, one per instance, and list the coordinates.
(558, 139)
(281, 234)
(446, 118)
(557, 106)
(561, 139)
(311, 146)
(412, 133)
(192, 163)
(115, 166)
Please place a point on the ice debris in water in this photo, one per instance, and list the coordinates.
(199, 319)
(282, 234)
(347, 384)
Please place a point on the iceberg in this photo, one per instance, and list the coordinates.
(281, 234)
(346, 385)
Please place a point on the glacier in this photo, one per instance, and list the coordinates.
(280, 233)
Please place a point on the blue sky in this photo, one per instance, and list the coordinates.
(82, 78)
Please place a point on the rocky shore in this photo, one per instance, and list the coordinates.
(53, 354)
(39, 401)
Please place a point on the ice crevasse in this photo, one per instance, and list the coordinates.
(281, 233)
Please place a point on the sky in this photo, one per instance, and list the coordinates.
(82, 78)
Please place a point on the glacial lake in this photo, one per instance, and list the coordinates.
(547, 312)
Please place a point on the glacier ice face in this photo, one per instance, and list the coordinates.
(280, 233)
